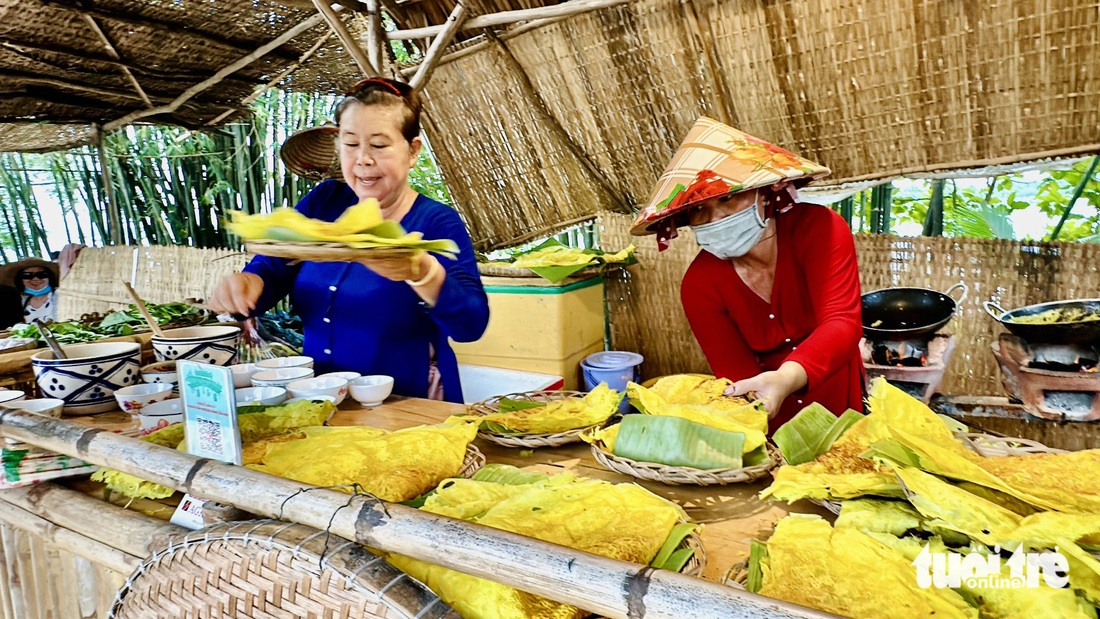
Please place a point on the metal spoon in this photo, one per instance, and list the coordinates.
(58, 353)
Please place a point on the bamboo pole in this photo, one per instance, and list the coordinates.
(113, 53)
(114, 222)
(439, 45)
(69, 541)
(1077, 191)
(306, 24)
(376, 38)
(564, 9)
(366, 66)
(615, 589)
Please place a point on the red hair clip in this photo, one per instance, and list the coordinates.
(391, 85)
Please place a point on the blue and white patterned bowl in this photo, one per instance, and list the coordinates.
(87, 380)
(216, 345)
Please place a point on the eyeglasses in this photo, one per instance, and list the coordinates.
(34, 275)
(400, 89)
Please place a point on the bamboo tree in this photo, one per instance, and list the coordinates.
(933, 222)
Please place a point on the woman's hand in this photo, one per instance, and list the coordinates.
(237, 294)
(400, 269)
(772, 387)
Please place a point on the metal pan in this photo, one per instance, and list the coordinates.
(908, 313)
(1073, 332)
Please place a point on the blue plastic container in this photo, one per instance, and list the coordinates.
(616, 368)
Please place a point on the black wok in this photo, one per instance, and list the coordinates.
(908, 313)
(1072, 332)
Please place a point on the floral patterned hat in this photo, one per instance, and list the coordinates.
(713, 160)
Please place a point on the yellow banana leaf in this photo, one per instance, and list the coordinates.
(849, 573)
(557, 416)
(393, 466)
(1045, 528)
(746, 419)
(698, 389)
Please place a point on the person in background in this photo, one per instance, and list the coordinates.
(773, 296)
(35, 281)
(376, 316)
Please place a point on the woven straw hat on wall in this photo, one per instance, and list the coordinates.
(311, 153)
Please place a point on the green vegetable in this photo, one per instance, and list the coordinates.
(758, 554)
(668, 557)
(678, 442)
(124, 322)
(505, 474)
(812, 431)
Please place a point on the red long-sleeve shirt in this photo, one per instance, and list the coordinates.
(813, 317)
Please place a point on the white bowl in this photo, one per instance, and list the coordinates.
(268, 396)
(242, 374)
(371, 390)
(280, 377)
(11, 395)
(133, 399)
(87, 380)
(330, 385)
(160, 372)
(297, 361)
(213, 344)
(48, 407)
(348, 376)
(161, 415)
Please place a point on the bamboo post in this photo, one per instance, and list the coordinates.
(96, 552)
(113, 53)
(564, 9)
(615, 589)
(435, 52)
(366, 66)
(113, 220)
(1077, 191)
(376, 39)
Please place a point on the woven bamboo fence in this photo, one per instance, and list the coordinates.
(160, 274)
(580, 116)
(646, 315)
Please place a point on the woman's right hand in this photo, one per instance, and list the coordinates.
(237, 294)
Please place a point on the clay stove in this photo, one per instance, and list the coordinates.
(1054, 381)
(914, 366)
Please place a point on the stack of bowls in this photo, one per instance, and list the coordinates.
(211, 344)
(163, 372)
(88, 379)
(331, 386)
(296, 361)
(280, 377)
(268, 396)
(160, 415)
(136, 397)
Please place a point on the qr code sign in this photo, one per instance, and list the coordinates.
(210, 436)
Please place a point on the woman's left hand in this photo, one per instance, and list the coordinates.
(772, 387)
(400, 269)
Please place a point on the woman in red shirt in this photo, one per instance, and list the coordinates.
(773, 297)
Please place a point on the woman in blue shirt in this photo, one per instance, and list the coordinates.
(377, 316)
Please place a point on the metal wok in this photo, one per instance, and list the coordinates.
(1075, 331)
(908, 313)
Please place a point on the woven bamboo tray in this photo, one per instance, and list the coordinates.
(269, 568)
(995, 446)
(473, 461)
(322, 252)
(677, 475)
(698, 560)
(529, 441)
(496, 270)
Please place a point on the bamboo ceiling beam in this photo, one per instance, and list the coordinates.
(21, 48)
(366, 66)
(609, 587)
(565, 9)
(305, 25)
(113, 53)
(68, 85)
(376, 40)
(439, 45)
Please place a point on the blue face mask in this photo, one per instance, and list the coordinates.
(38, 293)
(732, 236)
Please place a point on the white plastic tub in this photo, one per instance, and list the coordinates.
(481, 382)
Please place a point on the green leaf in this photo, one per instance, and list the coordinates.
(668, 550)
(840, 426)
(678, 442)
(798, 438)
(557, 274)
(507, 405)
(505, 474)
(758, 555)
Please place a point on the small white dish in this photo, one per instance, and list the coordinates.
(371, 391)
(160, 415)
(321, 386)
(297, 361)
(267, 396)
(348, 376)
(11, 395)
(47, 407)
(280, 377)
(160, 372)
(242, 374)
(134, 398)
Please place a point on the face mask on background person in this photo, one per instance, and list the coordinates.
(38, 293)
(732, 236)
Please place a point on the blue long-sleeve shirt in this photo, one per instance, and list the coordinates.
(357, 320)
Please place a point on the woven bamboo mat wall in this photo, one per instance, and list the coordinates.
(163, 274)
(582, 115)
(646, 315)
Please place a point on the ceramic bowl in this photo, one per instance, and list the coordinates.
(88, 379)
(161, 415)
(330, 385)
(279, 377)
(348, 376)
(297, 361)
(133, 399)
(212, 344)
(268, 396)
(11, 395)
(242, 374)
(160, 372)
(371, 390)
(48, 407)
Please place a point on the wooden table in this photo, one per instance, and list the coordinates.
(732, 514)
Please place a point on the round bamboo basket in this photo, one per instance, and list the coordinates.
(529, 441)
(322, 252)
(270, 568)
(698, 561)
(684, 475)
(473, 461)
(497, 270)
(994, 446)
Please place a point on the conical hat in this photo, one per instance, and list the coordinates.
(311, 153)
(716, 159)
